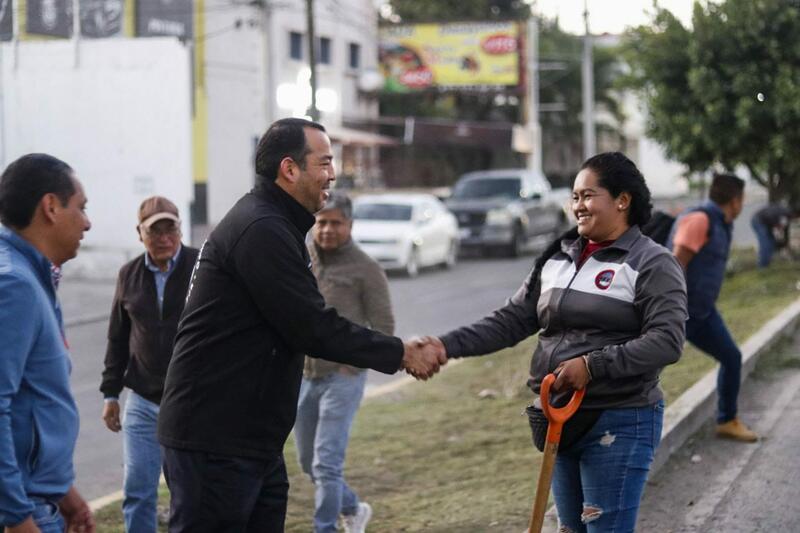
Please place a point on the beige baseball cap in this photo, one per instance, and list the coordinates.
(157, 208)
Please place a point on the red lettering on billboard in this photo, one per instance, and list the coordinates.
(499, 43)
(417, 78)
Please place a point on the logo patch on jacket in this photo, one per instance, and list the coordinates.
(604, 279)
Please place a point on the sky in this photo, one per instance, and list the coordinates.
(609, 16)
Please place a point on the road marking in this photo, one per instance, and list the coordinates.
(704, 508)
(399, 383)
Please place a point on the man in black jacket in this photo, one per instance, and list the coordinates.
(151, 291)
(253, 311)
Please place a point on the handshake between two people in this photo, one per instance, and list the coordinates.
(423, 356)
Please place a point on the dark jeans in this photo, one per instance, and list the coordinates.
(712, 336)
(766, 242)
(221, 493)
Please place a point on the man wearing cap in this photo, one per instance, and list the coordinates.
(149, 299)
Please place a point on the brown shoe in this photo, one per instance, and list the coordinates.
(736, 429)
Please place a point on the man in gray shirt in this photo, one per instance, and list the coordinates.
(355, 285)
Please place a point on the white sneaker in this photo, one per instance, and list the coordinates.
(357, 523)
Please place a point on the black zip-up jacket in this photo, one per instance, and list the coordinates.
(139, 338)
(252, 312)
(624, 307)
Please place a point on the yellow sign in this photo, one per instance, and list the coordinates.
(421, 56)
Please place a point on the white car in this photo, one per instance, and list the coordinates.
(405, 231)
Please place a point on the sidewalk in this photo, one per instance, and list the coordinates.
(710, 484)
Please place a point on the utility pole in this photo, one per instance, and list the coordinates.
(270, 111)
(76, 30)
(535, 128)
(313, 112)
(589, 141)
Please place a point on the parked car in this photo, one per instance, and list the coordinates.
(508, 209)
(405, 231)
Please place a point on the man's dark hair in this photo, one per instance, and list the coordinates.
(285, 138)
(339, 200)
(724, 188)
(617, 174)
(25, 182)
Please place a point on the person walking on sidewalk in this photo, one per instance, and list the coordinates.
(701, 241)
(149, 298)
(355, 285)
(253, 311)
(42, 209)
(768, 222)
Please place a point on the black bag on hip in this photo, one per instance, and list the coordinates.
(574, 429)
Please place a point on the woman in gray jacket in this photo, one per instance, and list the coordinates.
(609, 305)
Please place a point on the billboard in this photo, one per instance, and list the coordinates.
(460, 54)
(6, 21)
(172, 18)
(49, 17)
(101, 18)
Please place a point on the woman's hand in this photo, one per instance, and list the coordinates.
(572, 374)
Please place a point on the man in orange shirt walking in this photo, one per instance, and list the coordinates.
(701, 241)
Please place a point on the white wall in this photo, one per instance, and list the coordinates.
(121, 118)
(344, 22)
(238, 63)
(234, 66)
(663, 176)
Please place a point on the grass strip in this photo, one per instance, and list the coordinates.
(440, 456)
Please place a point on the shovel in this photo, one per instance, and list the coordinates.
(555, 423)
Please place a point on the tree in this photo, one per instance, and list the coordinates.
(727, 91)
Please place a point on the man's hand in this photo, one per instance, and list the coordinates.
(28, 526)
(111, 415)
(572, 374)
(76, 512)
(422, 358)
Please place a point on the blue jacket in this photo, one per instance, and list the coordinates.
(706, 270)
(38, 415)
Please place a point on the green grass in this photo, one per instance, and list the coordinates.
(435, 457)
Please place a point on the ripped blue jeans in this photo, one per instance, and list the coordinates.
(598, 482)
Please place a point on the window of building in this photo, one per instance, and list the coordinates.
(355, 56)
(296, 45)
(324, 51)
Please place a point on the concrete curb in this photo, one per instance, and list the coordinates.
(697, 404)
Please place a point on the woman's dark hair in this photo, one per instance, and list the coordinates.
(25, 181)
(285, 138)
(618, 174)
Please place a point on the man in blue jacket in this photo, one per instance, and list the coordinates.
(42, 209)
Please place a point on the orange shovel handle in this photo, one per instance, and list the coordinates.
(556, 416)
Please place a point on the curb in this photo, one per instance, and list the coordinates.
(697, 404)
(684, 417)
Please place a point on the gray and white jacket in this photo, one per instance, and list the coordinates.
(625, 307)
